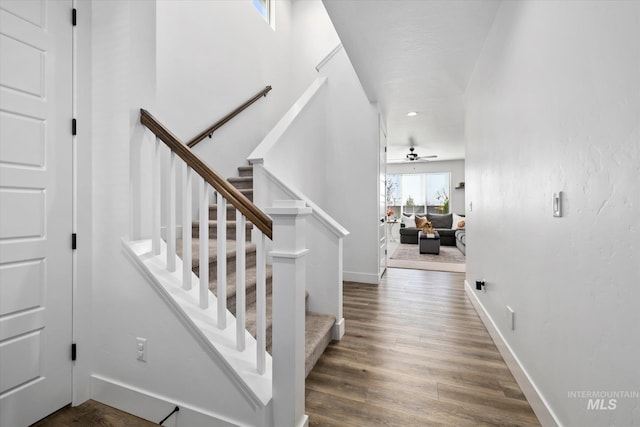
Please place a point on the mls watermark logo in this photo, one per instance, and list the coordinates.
(602, 404)
(603, 400)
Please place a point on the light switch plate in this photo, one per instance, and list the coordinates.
(557, 204)
(511, 318)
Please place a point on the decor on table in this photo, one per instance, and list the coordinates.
(390, 213)
(427, 228)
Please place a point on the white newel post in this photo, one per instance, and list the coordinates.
(289, 250)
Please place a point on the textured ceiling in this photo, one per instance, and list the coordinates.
(416, 55)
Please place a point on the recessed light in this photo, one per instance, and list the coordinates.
(412, 113)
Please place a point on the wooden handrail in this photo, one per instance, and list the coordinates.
(207, 132)
(222, 186)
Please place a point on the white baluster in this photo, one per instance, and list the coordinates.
(186, 228)
(171, 213)
(241, 262)
(261, 304)
(204, 244)
(156, 198)
(221, 282)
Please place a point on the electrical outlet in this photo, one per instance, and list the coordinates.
(511, 318)
(141, 349)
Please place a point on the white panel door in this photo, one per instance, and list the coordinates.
(35, 209)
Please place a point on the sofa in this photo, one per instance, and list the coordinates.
(442, 223)
(461, 242)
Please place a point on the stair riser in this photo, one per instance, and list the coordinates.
(213, 213)
(250, 297)
(213, 232)
(242, 183)
(269, 337)
(248, 194)
(245, 171)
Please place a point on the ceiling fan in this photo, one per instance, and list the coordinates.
(412, 156)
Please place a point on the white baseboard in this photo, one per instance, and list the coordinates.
(337, 332)
(354, 276)
(151, 406)
(539, 405)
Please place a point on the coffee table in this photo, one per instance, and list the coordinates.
(429, 245)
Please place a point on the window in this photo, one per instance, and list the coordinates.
(417, 193)
(265, 8)
(394, 194)
(413, 193)
(437, 188)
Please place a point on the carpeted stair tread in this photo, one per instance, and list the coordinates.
(317, 338)
(250, 287)
(213, 250)
(317, 332)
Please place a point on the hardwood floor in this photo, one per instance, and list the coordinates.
(90, 414)
(415, 353)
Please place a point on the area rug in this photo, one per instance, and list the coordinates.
(409, 256)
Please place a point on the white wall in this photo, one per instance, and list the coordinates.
(211, 57)
(300, 156)
(455, 167)
(124, 306)
(554, 105)
(313, 37)
(352, 168)
(214, 55)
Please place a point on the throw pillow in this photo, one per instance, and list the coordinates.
(440, 220)
(456, 221)
(410, 222)
(421, 221)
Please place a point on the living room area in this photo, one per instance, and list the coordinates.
(426, 214)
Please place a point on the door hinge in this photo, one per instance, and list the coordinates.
(74, 352)
(74, 127)
(385, 149)
(74, 241)
(74, 17)
(385, 251)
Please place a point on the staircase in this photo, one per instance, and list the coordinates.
(317, 326)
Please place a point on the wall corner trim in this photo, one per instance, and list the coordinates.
(538, 403)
